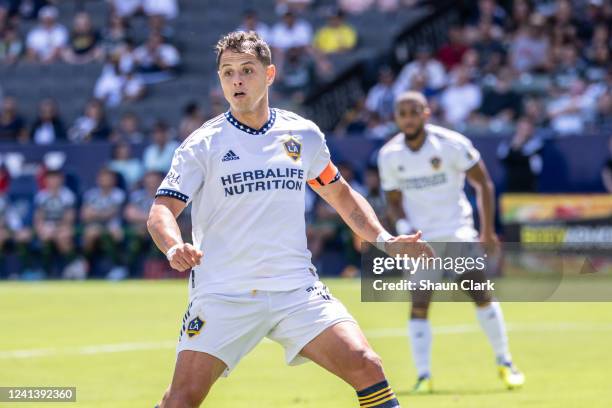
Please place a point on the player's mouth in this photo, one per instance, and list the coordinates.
(239, 95)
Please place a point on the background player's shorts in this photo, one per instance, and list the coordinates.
(229, 326)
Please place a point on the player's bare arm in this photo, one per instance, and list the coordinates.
(395, 212)
(359, 215)
(166, 234)
(479, 178)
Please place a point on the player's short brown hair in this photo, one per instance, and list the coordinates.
(244, 42)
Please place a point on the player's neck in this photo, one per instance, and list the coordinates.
(256, 118)
(416, 143)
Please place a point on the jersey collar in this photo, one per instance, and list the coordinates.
(241, 126)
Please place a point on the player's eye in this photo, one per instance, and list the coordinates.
(248, 71)
(227, 73)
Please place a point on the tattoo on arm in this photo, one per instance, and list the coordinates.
(358, 217)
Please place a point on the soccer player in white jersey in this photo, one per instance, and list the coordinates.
(245, 173)
(423, 171)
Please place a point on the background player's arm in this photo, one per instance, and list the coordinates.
(395, 209)
(166, 234)
(479, 178)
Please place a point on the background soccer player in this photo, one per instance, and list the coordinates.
(245, 173)
(423, 171)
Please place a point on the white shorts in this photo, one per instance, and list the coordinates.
(229, 326)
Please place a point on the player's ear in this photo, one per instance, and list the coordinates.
(270, 74)
(426, 113)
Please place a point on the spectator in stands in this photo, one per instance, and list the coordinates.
(534, 109)
(46, 41)
(291, 32)
(384, 6)
(569, 110)
(569, 67)
(460, 99)
(451, 53)
(354, 121)
(125, 8)
(12, 124)
(54, 224)
(606, 171)
(115, 87)
(521, 11)
(92, 125)
(114, 34)
(125, 165)
(598, 55)
(501, 105)
(84, 44)
(298, 76)
(11, 45)
(381, 97)
(530, 47)
(128, 130)
(136, 213)
(48, 128)
(490, 12)
(166, 8)
(157, 24)
(336, 35)
(250, 22)
(521, 158)
(424, 63)
(15, 234)
(29, 9)
(156, 61)
(101, 218)
(193, 119)
(158, 155)
(491, 50)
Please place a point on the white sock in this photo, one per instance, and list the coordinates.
(419, 331)
(492, 322)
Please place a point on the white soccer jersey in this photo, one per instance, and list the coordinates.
(431, 180)
(247, 189)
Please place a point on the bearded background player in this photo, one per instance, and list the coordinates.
(423, 171)
(245, 173)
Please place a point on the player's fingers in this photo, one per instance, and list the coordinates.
(181, 261)
(178, 264)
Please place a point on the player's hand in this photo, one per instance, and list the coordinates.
(185, 257)
(413, 246)
(490, 242)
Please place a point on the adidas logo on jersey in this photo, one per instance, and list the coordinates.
(230, 155)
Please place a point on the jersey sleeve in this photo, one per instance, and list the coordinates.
(388, 176)
(185, 177)
(466, 155)
(322, 171)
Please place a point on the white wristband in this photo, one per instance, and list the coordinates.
(382, 238)
(170, 253)
(402, 226)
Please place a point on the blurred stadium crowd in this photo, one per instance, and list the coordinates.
(535, 69)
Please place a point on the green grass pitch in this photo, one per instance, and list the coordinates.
(115, 343)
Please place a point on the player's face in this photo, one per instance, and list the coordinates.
(244, 80)
(410, 118)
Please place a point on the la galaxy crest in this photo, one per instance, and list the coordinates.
(293, 148)
(195, 326)
(436, 162)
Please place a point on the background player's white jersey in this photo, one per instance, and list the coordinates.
(431, 180)
(247, 191)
